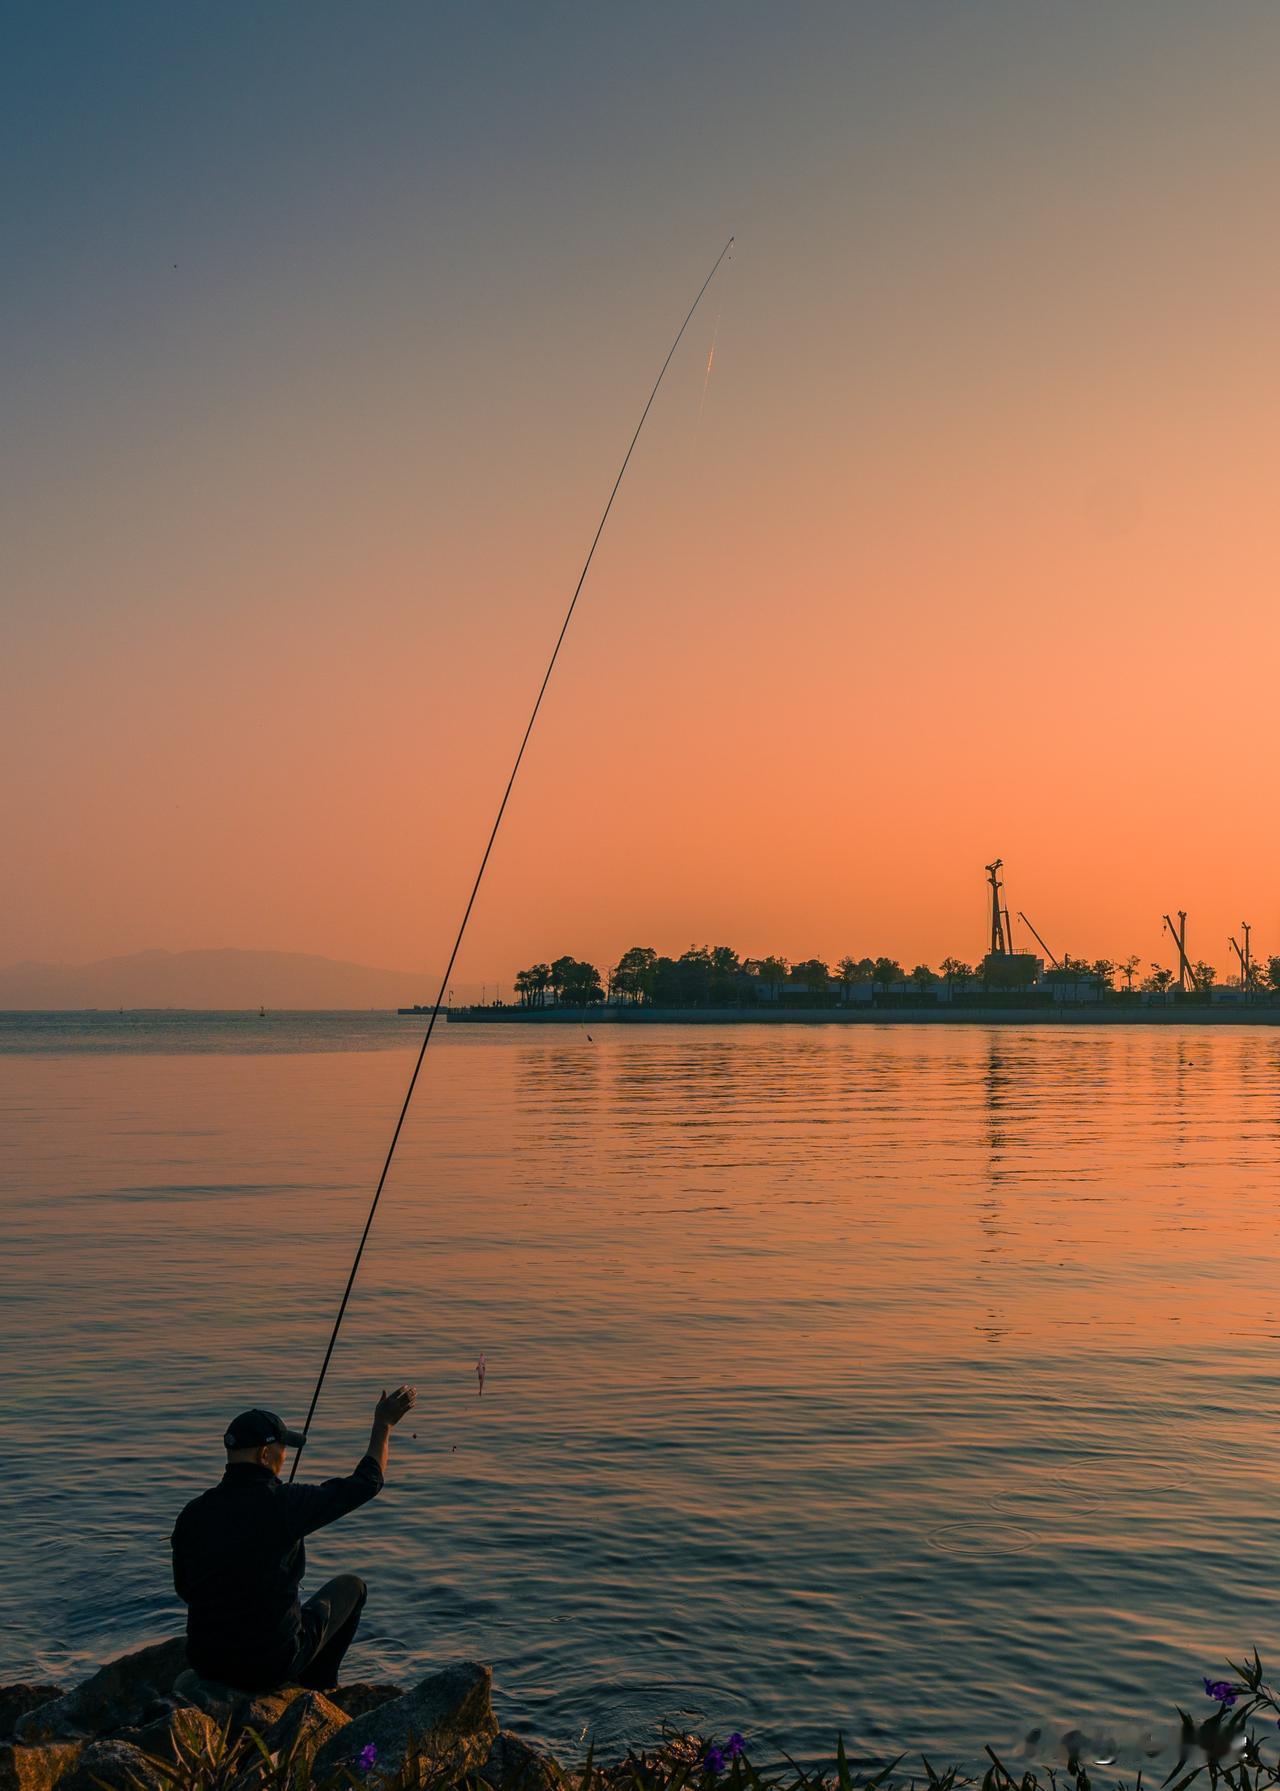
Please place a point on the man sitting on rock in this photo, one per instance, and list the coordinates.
(238, 1557)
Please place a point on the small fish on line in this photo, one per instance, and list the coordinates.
(710, 362)
(480, 1368)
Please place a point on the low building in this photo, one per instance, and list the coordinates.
(1066, 985)
(1011, 970)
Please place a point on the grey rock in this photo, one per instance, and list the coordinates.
(37, 1768)
(122, 1693)
(210, 1695)
(117, 1765)
(306, 1725)
(228, 1704)
(444, 1726)
(161, 1707)
(16, 1700)
(186, 1727)
(360, 1697)
(513, 1765)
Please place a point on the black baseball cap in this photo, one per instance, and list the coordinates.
(252, 1429)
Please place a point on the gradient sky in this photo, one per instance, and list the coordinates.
(323, 330)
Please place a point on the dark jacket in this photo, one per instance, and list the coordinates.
(237, 1559)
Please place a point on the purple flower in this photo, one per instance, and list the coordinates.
(368, 1756)
(734, 1746)
(1221, 1689)
(714, 1761)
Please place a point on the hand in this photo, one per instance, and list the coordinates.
(393, 1406)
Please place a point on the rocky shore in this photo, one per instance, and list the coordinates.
(128, 1727)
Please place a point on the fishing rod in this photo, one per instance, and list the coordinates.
(475, 888)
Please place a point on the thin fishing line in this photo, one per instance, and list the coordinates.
(475, 889)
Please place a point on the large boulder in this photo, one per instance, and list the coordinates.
(186, 1729)
(513, 1765)
(228, 1704)
(16, 1700)
(113, 1766)
(306, 1725)
(210, 1695)
(37, 1768)
(362, 1696)
(444, 1727)
(124, 1692)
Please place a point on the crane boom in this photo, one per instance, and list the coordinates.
(1039, 941)
(1185, 974)
(1245, 957)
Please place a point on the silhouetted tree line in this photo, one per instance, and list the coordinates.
(715, 976)
(572, 983)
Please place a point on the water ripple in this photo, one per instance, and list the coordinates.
(902, 1381)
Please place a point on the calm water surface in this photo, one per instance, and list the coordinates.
(916, 1382)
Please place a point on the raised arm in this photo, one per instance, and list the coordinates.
(388, 1412)
(308, 1508)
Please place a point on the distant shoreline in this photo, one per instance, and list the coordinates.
(1062, 1013)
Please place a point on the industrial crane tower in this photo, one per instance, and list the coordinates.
(1004, 968)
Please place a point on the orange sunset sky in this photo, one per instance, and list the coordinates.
(326, 329)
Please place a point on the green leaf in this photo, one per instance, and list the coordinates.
(843, 1775)
(1000, 1763)
(753, 1777)
(1183, 1783)
(802, 1777)
(261, 1745)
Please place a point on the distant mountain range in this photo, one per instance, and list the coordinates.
(210, 979)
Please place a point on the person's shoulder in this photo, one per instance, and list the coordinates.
(194, 1507)
(202, 1498)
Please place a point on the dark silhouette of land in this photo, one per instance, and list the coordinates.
(706, 980)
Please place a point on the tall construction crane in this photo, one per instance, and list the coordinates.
(1001, 932)
(1246, 961)
(1003, 967)
(1039, 941)
(1185, 973)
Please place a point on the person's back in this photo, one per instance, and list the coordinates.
(238, 1558)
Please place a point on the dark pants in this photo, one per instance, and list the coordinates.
(329, 1623)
